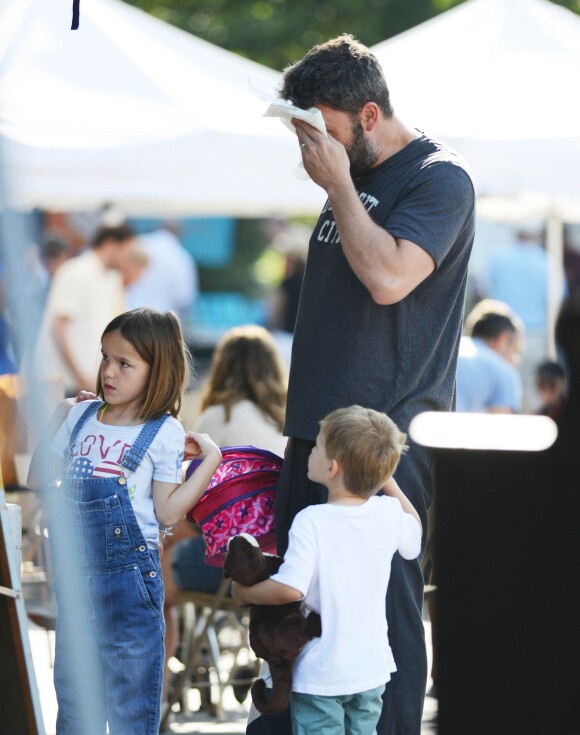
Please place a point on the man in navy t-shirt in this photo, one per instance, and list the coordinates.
(381, 306)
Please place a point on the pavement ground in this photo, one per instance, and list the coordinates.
(42, 647)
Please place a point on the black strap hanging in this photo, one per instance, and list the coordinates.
(75, 16)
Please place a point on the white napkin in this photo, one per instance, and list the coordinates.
(286, 111)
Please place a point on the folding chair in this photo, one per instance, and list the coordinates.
(200, 633)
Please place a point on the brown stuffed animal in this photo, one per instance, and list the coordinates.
(277, 632)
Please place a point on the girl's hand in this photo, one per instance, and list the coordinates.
(200, 446)
(63, 408)
(85, 395)
(60, 413)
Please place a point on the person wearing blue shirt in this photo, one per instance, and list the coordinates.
(518, 275)
(487, 379)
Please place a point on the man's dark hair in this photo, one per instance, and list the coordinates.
(118, 233)
(490, 326)
(341, 73)
(53, 246)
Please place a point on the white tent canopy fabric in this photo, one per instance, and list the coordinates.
(498, 81)
(131, 110)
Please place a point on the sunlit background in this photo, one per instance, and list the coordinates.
(151, 113)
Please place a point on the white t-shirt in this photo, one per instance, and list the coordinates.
(99, 449)
(339, 557)
(89, 296)
(247, 426)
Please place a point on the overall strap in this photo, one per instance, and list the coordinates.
(86, 415)
(134, 456)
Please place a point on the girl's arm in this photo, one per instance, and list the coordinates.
(268, 592)
(172, 501)
(45, 466)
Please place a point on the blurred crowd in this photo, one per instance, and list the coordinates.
(507, 361)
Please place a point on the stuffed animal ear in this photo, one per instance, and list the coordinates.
(273, 563)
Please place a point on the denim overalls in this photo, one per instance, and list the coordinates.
(109, 652)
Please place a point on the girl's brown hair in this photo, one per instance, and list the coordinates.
(157, 337)
(246, 366)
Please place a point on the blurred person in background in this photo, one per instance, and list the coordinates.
(168, 281)
(518, 274)
(551, 387)
(86, 293)
(572, 256)
(133, 270)
(292, 244)
(242, 403)
(487, 379)
(55, 250)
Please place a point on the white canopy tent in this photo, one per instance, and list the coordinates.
(131, 110)
(498, 81)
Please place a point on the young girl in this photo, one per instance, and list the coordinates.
(120, 460)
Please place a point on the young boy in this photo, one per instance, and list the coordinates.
(551, 388)
(339, 561)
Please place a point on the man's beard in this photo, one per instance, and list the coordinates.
(362, 153)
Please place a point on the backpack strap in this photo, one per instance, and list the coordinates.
(134, 456)
(91, 410)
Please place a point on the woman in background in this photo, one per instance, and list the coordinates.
(243, 403)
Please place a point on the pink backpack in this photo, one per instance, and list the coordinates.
(238, 499)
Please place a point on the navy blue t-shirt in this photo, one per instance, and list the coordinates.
(399, 358)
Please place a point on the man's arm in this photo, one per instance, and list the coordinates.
(389, 268)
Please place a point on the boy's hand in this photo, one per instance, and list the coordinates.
(199, 446)
(238, 594)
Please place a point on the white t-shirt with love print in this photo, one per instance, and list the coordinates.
(99, 449)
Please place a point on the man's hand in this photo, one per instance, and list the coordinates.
(324, 158)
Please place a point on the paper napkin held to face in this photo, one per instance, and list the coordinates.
(286, 111)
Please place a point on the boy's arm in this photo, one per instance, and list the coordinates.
(268, 592)
(391, 488)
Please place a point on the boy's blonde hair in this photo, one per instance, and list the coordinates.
(366, 443)
(157, 337)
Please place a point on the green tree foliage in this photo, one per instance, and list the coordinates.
(278, 32)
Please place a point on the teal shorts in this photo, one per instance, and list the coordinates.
(346, 714)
